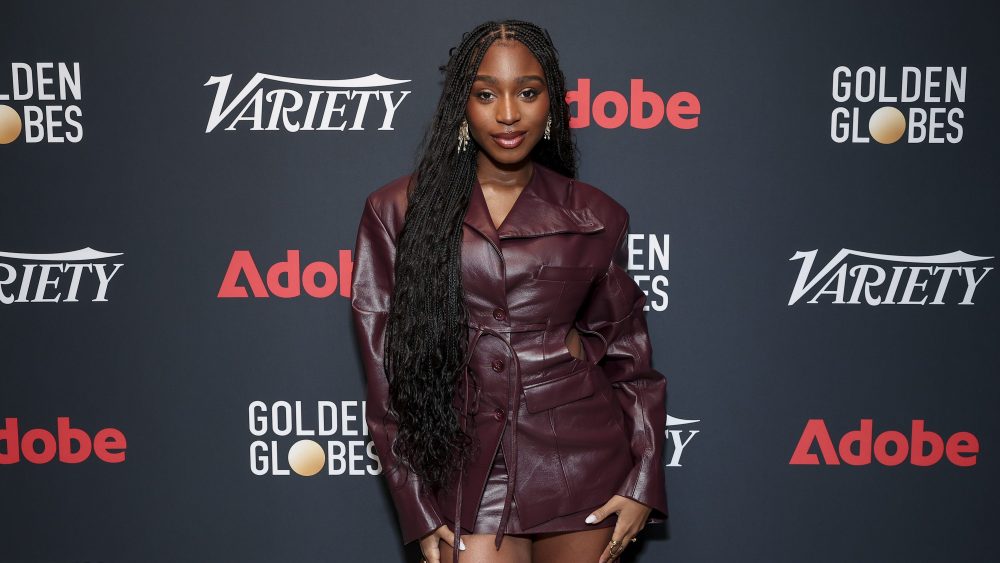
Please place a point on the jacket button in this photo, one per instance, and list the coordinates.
(498, 414)
(498, 314)
(497, 365)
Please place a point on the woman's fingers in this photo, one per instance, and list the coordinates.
(624, 536)
(447, 535)
(430, 546)
(430, 549)
(631, 518)
(604, 511)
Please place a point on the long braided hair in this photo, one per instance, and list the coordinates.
(426, 333)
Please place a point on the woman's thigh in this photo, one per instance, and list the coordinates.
(570, 547)
(480, 548)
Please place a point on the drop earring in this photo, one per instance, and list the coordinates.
(548, 127)
(463, 135)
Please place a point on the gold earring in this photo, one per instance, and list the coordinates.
(463, 135)
(548, 126)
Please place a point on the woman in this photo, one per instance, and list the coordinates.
(510, 393)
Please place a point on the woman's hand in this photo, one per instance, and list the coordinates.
(430, 544)
(632, 516)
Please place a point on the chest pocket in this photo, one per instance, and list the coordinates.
(568, 287)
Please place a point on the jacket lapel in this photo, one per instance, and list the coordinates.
(541, 209)
(478, 217)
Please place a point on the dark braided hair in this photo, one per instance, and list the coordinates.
(426, 334)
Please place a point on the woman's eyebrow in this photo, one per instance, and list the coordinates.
(520, 80)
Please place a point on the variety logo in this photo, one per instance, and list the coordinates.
(51, 278)
(922, 104)
(650, 254)
(287, 278)
(641, 109)
(915, 280)
(278, 103)
(330, 434)
(677, 440)
(70, 445)
(858, 447)
(41, 92)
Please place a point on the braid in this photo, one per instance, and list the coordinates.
(426, 334)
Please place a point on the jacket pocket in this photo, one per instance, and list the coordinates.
(565, 273)
(564, 389)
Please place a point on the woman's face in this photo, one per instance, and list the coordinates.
(508, 103)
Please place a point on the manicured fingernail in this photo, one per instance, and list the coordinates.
(591, 519)
(461, 544)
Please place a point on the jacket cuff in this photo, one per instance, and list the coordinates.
(645, 484)
(418, 513)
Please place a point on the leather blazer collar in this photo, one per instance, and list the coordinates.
(542, 208)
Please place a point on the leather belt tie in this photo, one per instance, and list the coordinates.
(512, 464)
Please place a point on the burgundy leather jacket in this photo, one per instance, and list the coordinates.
(580, 430)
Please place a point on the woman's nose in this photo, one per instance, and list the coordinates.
(507, 111)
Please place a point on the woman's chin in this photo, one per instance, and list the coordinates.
(503, 157)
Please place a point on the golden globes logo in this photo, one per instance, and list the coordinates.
(40, 92)
(10, 125)
(649, 265)
(918, 104)
(306, 457)
(328, 435)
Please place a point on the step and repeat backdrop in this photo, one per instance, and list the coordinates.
(813, 191)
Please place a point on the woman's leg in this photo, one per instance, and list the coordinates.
(480, 548)
(570, 547)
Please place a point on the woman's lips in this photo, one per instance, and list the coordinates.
(509, 140)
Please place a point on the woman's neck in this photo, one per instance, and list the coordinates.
(501, 175)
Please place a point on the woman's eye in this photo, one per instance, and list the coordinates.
(529, 94)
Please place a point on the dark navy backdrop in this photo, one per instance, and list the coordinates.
(175, 365)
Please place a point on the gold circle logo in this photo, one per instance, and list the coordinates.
(887, 125)
(306, 458)
(10, 124)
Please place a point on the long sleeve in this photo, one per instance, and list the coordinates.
(371, 288)
(614, 333)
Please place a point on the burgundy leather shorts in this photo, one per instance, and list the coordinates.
(491, 508)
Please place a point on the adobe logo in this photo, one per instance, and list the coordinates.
(287, 278)
(72, 445)
(891, 447)
(642, 109)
